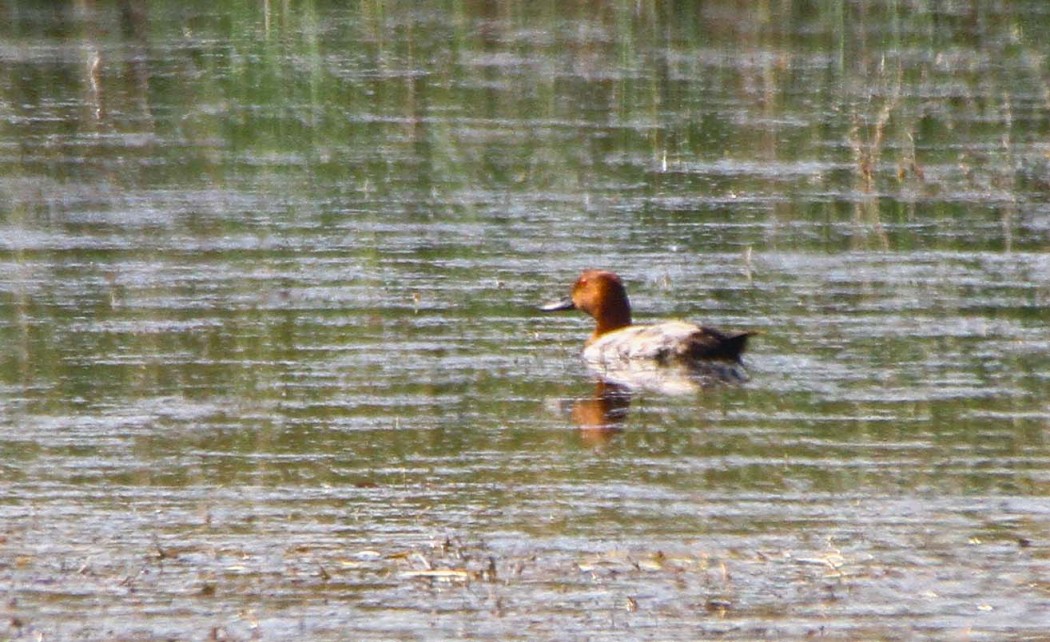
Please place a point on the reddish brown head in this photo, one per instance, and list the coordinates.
(601, 294)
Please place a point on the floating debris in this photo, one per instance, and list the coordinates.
(444, 574)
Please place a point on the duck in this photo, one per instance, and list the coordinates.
(618, 342)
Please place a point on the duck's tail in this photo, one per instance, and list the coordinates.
(715, 344)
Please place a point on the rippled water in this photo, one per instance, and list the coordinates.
(271, 365)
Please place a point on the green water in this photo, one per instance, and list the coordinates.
(271, 367)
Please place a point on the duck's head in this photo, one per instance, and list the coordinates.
(601, 294)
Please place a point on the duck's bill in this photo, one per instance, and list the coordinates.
(554, 306)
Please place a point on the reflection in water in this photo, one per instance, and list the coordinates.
(601, 416)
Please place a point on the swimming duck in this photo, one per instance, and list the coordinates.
(616, 340)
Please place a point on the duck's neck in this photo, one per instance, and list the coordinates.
(611, 318)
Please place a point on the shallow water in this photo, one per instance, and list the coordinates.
(271, 365)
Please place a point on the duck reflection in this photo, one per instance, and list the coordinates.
(601, 416)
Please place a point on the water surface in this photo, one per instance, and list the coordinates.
(270, 364)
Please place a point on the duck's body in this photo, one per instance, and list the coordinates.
(617, 342)
(667, 342)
